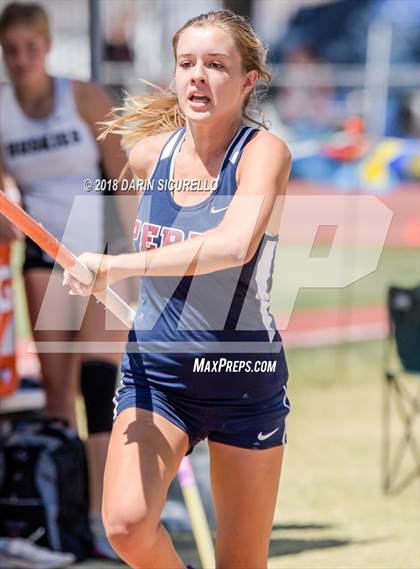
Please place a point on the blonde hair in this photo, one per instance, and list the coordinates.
(28, 14)
(160, 112)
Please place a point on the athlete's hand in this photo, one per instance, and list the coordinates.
(98, 266)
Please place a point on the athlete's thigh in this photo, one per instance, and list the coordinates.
(144, 454)
(245, 485)
(50, 315)
(50, 307)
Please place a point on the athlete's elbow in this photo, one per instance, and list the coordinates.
(226, 258)
(231, 251)
(239, 254)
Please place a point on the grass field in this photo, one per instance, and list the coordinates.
(331, 512)
(399, 266)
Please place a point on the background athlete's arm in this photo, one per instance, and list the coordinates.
(8, 232)
(94, 105)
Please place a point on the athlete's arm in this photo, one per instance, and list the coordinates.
(262, 178)
(8, 232)
(94, 105)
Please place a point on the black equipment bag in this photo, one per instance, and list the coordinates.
(44, 486)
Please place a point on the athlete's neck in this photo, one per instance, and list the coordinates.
(36, 91)
(209, 140)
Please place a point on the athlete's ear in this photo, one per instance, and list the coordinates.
(251, 79)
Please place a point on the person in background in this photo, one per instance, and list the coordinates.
(48, 141)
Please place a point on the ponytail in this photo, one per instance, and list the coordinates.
(145, 116)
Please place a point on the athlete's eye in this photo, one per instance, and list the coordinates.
(185, 64)
(217, 65)
(10, 50)
(32, 48)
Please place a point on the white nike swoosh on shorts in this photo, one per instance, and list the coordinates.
(262, 437)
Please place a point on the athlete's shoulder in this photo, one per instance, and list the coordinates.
(265, 151)
(145, 153)
(92, 101)
(86, 90)
(264, 141)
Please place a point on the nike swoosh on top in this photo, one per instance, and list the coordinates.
(262, 437)
(213, 210)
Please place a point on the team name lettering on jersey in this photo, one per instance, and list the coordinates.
(150, 236)
(43, 143)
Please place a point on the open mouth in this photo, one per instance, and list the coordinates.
(199, 99)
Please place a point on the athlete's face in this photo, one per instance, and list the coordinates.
(209, 77)
(24, 52)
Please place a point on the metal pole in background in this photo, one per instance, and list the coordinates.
(377, 73)
(95, 40)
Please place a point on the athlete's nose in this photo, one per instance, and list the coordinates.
(198, 75)
(21, 60)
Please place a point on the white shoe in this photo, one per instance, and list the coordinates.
(18, 553)
(101, 546)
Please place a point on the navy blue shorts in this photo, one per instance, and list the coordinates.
(254, 417)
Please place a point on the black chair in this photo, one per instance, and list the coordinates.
(402, 389)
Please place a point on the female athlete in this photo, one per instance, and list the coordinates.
(48, 129)
(204, 359)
